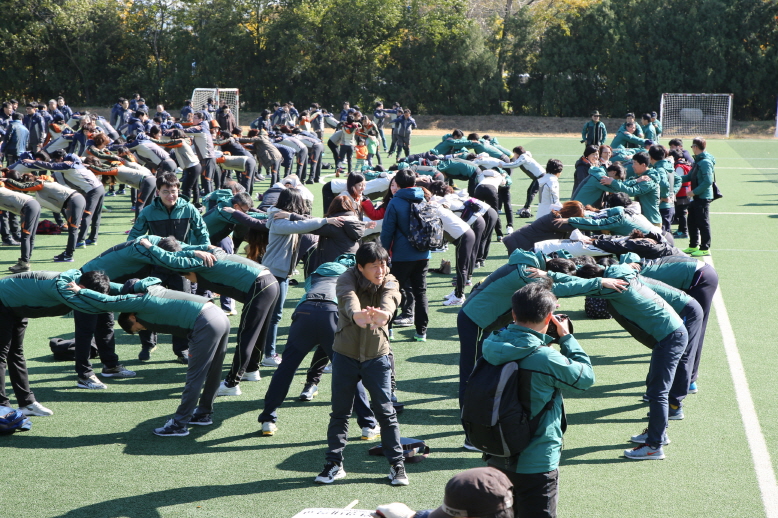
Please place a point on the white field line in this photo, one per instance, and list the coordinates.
(759, 453)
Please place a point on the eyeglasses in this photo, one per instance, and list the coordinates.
(169, 193)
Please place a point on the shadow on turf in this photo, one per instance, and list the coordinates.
(569, 455)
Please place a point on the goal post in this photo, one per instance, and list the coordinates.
(200, 98)
(696, 114)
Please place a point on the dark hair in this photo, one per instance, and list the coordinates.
(676, 142)
(125, 323)
(96, 280)
(58, 154)
(606, 261)
(580, 260)
(618, 169)
(554, 166)
(291, 200)
(519, 150)
(169, 244)
(16, 116)
(646, 117)
(676, 155)
(440, 188)
(590, 271)
(139, 114)
(618, 199)
(473, 136)
(405, 178)
(370, 253)
(101, 138)
(42, 155)
(657, 152)
(235, 187)
(700, 143)
(388, 196)
(533, 302)
(167, 180)
(242, 198)
(641, 158)
(561, 265)
(352, 181)
(457, 134)
(591, 148)
(341, 204)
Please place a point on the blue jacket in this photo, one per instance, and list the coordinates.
(17, 138)
(397, 220)
(134, 126)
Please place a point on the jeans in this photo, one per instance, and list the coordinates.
(376, 377)
(323, 317)
(664, 362)
(277, 314)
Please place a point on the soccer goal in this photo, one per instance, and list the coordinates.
(200, 98)
(696, 114)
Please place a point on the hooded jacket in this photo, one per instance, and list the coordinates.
(335, 241)
(284, 241)
(568, 369)
(615, 220)
(590, 190)
(396, 226)
(702, 175)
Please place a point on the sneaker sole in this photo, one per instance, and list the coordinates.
(201, 423)
(653, 457)
(398, 482)
(177, 434)
(78, 385)
(268, 434)
(35, 414)
(326, 480)
(371, 438)
(117, 375)
(308, 398)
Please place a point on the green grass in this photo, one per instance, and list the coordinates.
(96, 456)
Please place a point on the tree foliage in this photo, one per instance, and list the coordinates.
(547, 57)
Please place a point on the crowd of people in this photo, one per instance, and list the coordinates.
(365, 262)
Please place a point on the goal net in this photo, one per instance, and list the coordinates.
(200, 98)
(696, 114)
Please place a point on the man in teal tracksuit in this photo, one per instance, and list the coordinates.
(627, 137)
(646, 316)
(649, 131)
(702, 175)
(36, 295)
(205, 326)
(616, 220)
(534, 473)
(591, 189)
(458, 168)
(646, 191)
(450, 144)
(594, 131)
(169, 215)
(488, 307)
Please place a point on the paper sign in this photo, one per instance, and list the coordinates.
(333, 513)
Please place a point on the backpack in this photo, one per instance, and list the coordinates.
(496, 408)
(46, 227)
(12, 420)
(65, 350)
(596, 308)
(414, 450)
(425, 229)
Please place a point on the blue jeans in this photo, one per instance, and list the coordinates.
(376, 375)
(278, 312)
(323, 317)
(664, 361)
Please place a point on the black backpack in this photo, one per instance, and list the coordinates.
(496, 408)
(425, 229)
(65, 350)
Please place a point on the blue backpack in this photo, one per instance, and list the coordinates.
(425, 231)
(12, 420)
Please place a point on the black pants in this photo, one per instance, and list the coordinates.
(74, 211)
(532, 190)
(466, 244)
(699, 223)
(680, 215)
(488, 194)
(97, 327)
(479, 227)
(412, 275)
(189, 186)
(667, 218)
(335, 152)
(704, 285)
(210, 174)
(12, 329)
(315, 158)
(504, 203)
(471, 340)
(322, 316)
(490, 219)
(347, 154)
(9, 225)
(535, 495)
(254, 324)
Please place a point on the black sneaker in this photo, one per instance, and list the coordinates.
(309, 392)
(63, 258)
(397, 474)
(201, 419)
(171, 429)
(332, 471)
(145, 353)
(403, 322)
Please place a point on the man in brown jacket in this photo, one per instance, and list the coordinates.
(367, 298)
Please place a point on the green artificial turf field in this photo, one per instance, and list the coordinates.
(96, 457)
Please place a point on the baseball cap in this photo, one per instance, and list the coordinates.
(476, 492)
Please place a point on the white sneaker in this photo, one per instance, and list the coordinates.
(509, 230)
(454, 301)
(271, 361)
(35, 408)
(368, 434)
(251, 376)
(269, 428)
(643, 437)
(224, 390)
(645, 452)
(453, 292)
(328, 369)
